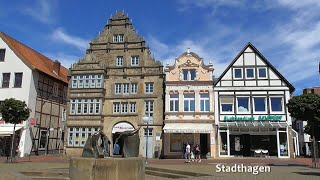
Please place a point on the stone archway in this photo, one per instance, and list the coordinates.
(116, 130)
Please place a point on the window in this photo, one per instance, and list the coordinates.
(134, 60)
(259, 104)
(55, 90)
(2, 54)
(226, 104)
(124, 108)
(116, 107)
(87, 81)
(189, 102)
(237, 73)
(118, 38)
(126, 88)
(148, 132)
(204, 103)
(119, 61)
(17, 80)
(276, 104)
(72, 106)
(5, 80)
(149, 88)
(85, 106)
(262, 73)
(132, 107)
(243, 104)
(134, 88)
(78, 136)
(149, 108)
(174, 102)
(250, 73)
(189, 75)
(117, 88)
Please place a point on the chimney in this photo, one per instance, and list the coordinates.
(56, 67)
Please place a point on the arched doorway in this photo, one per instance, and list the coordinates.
(116, 130)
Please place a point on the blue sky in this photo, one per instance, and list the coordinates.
(286, 32)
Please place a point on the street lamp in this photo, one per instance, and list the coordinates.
(146, 120)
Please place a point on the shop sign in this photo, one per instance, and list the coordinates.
(246, 118)
(121, 127)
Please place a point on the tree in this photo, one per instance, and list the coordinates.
(14, 111)
(307, 108)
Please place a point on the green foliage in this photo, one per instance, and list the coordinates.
(305, 107)
(14, 111)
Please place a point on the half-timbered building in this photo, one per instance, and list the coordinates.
(250, 113)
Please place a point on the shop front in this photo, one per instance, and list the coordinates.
(177, 135)
(254, 139)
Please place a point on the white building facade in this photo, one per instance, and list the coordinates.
(189, 106)
(251, 117)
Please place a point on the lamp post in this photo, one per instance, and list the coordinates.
(146, 120)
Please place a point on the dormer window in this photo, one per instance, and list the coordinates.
(117, 38)
(189, 74)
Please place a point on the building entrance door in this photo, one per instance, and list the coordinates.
(204, 144)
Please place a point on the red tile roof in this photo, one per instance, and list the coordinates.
(34, 59)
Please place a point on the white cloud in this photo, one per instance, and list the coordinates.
(65, 59)
(59, 35)
(41, 10)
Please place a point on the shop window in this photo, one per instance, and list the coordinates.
(259, 104)
(237, 73)
(226, 104)
(250, 73)
(243, 105)
(262, 73)
(176, 142)
(204, 103)
(283, 143)
(189, 104)
(223, 143)
(276, 104)
(174, 102)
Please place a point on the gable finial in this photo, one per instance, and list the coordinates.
(188, 50)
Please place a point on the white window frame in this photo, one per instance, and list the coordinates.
(265, 105)
(86, 82)
(233, 105)
(98, 81)
(282, 105)
(149, 87)
(83, 134)
(73, 105)
(92, 81)
(125, 88)
(175, 99)
(266, 69)
(120, 37)
(205, 99)
(249, 108)
(115, 38)
(80, 84)
(79, 105)
(119, 61)
(133, 107)
(97, 106)
(116, 107)
(74, 82)
(149, 108)
(134, 88)
(91, 106)
(85, 106)
(117, 88)
(234, 73)
(247, 73)
(189, 102)
(135, 60)
(124, 107)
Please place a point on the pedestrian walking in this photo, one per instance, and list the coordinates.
(188, 153)
(197, 153)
